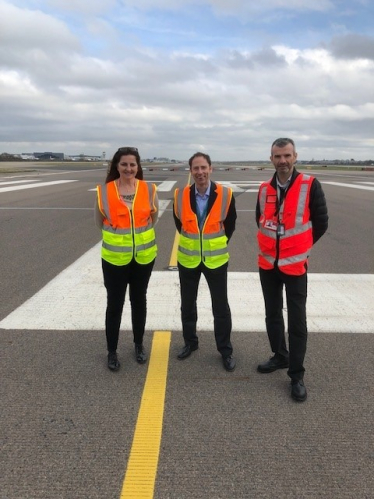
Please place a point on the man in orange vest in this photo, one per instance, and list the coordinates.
(291, 216)
(205, 216)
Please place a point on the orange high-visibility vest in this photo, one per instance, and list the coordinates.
(290, 248)
(127, 233)
(210, 245)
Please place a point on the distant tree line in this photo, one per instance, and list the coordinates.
(368, 162)
(8, 157)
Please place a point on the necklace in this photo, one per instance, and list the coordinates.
(128, 197)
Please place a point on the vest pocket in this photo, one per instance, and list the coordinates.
(188, 244)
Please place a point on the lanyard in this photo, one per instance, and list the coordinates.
(280, 198)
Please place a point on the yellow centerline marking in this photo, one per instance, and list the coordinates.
(173, 257)
(141, 470)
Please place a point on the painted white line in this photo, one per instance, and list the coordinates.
(241, 186)
(32, 186)
(242, 182)
(366, 183)
(162, 205)
(166, 185)
(352, 186)
(49, 174)
(42, 208)
(332, 174)
(76, 300)
(18, 182)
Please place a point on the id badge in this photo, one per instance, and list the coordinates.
(271, 225)
(280, 230)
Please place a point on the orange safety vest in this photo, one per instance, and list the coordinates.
(290, 247)
(127, 233)
(210, 245)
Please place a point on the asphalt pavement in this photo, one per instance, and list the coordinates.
(68, 424)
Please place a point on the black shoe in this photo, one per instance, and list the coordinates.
(298, 390)
(274, 363)
(113, 362)
(140, 355)
(186, 351)
(229, 363)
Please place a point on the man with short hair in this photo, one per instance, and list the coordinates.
(291, 215)
(205, 215)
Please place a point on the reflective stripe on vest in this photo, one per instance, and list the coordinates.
(296, 242)
(127, 233)
(209, 245)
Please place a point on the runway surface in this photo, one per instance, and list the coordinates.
(72, 429)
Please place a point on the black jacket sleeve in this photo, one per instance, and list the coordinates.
(318, 210)
(258, 212)
(230, 220)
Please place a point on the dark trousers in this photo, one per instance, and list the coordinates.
(272, 282)
(116, 279)
(217, 281)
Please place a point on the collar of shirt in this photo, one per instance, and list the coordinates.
(205, 195)
(285, 185)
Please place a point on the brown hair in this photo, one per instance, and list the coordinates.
(113, 173)
(198, 155)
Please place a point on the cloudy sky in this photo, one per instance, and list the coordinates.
(175, 76)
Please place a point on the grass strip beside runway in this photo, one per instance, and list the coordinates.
(141, 470)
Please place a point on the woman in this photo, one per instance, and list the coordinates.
(126, 211)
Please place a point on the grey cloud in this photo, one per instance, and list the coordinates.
(35, 44)
(352, 46)
(238, 60)
(263, 57)
(268, 57)
(22, 29)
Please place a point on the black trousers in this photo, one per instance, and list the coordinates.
(217, 281)
(272, 282)
(116, 280)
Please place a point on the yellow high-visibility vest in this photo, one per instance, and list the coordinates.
(127, 233)
(210, 244)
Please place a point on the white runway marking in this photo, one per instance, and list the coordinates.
(76, 299)
(166, 185)
(32, 186)
(49, 174)
(352, 186)
(18, 182)
(252, 186)
(162, 205)
(242, 185)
